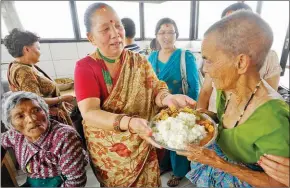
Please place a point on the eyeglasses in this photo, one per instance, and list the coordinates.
(166, 33)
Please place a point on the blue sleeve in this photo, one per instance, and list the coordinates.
(192, 75)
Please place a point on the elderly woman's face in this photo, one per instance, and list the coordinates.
(29, 119)
(166, 36)
(33, 52)
(220, 66)
(107, 32)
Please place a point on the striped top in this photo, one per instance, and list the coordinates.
(57, 152)
(135, 48)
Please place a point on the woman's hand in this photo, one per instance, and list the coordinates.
(201, 155)
(140, 127)
(67, 98)
(276, 167)
(178, 101)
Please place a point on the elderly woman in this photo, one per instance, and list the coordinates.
(49, 152)
(269, 71)
(166, 63)
(118, 93)
(254, 119)
(25, 75)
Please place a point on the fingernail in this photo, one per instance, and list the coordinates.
(266, 154)
(259, 162)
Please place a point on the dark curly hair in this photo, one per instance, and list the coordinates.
(166, 21)
(89, 12)
(129, 27)
(235, 7)
(17, 39)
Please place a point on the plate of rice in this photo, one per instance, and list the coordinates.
(175, 129)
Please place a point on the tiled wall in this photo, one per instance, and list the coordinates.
(58, 59)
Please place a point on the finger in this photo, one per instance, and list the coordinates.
(152, 142)
(184, 153)
(274, 166)
(284, 181)
(190, 101)
(273, 172)
(281, 160)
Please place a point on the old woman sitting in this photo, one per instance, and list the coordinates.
(49, 152)
(254, 119)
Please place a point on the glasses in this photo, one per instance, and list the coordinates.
(166, 33)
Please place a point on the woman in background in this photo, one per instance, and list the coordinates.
(166, 64)
(25, 75)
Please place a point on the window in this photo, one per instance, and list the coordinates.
(209, 13)
(123, 9)
(252, 4)
(4, 30)
(179, 11)
(276, 13)
(49, 19)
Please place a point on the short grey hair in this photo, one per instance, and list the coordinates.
(11, 99)
(243, 32)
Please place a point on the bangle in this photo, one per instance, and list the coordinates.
(116, 124)
(129, 128)
(59, 99)
(163, 95)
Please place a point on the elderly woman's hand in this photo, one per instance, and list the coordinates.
(140, 127)
(201, 155)
(178, 101)
(277, 167)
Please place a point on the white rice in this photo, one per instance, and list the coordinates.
(178, 132)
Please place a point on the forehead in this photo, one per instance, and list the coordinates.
(167, 26)
(104, 15)
(24, 105)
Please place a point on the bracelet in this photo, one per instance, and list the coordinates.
(129, 128)
(163, 95)
(59, 99)
(116, 124)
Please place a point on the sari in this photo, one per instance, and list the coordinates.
(121, 158)
(171, 74)
(24, 77)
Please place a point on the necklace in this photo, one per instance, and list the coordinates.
(105, 58)
(246, 106)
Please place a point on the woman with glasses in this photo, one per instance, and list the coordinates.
(166, 64)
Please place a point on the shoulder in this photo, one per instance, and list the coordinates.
(63, 131)
(153, 55)
(19, 68)
(136, 57)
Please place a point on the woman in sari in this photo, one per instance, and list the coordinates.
(253, 119)
(25, 75)
(118, 93)
(166, 64)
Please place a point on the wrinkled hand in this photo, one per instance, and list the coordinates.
(140, 127)
(276, 167)
(178, 101)
(201, 155)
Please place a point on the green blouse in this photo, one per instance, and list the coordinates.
(265, 131)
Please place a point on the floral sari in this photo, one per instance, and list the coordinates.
(121, 158)
(24, 77)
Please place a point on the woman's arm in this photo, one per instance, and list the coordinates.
(28, 82)
(209, 157)
(192, 75)
(205, 93)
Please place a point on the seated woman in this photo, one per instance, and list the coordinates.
(166, 64)
(254, 119)
(49, 152)
(24, 75)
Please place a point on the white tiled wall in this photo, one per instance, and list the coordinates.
(58, 59)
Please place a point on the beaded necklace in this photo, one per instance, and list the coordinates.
(105, 58)
(227, 103)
